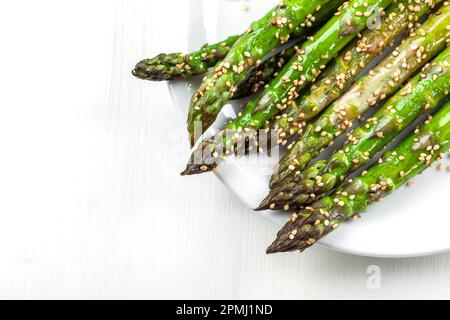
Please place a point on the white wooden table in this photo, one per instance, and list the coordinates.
(92, 205)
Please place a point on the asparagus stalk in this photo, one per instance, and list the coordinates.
(422, 93)
(259, 77)
(406, 161)
(347, 65)
(181, 66)
(302, 69)
(384, 80)
(219, 86)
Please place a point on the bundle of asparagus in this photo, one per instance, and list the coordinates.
(381, 82)
(423, 92)
(265, 35)
(301, 70)
(348, 65)
(410, 158)
(324, 72)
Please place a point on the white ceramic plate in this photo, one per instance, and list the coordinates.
(411, 222)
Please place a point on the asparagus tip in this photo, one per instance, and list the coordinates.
(265, 204)
(276, 247)
(147, 70)
(277, 199)
(193, 169)
(283, 244)
(271, 250)
(160, 68)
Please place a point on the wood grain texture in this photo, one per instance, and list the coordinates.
(92, 204)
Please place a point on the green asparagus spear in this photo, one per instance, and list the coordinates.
(180, 66)
(381, 82)
(303, 68)
(218, 87)
(422, 93)
(348, 64)
(258, 78)
(406, 161)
